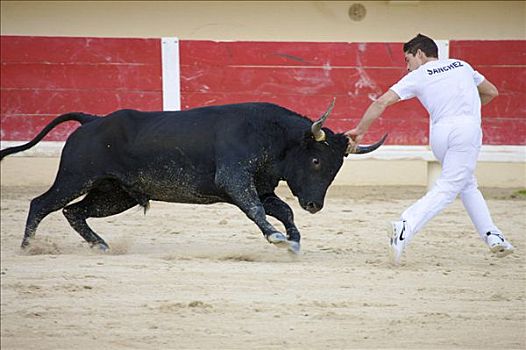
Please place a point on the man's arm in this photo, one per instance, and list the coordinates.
(487, 91)
(374, 110)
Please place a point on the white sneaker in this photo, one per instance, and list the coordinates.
(498, 244)
(398, 235)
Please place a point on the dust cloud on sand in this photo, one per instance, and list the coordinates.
(203, 277)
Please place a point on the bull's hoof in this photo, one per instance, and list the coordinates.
(278, 239)
(294, 247)
(281, 241)
(102, 246)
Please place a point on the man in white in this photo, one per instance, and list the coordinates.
(452, 92)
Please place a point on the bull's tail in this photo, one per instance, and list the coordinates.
(79, 117)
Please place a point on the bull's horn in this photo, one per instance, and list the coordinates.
(317, 132)
(366, 149)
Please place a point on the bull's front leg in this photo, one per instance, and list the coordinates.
(242, 191)
(277, 208)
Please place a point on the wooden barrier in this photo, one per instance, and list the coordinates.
(43, 77)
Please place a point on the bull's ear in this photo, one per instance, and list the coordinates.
(308, 138)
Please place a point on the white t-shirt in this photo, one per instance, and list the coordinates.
(446, 88)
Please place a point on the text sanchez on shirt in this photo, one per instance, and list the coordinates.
(453, 65)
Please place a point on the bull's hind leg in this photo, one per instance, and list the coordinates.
(97, 203)
(52, 200)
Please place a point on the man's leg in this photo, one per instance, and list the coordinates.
(477, 209)
(480, 216)
(458, 165)
(456, 147)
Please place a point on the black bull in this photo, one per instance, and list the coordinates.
(232, 153)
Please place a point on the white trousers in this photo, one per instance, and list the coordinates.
(457, 147)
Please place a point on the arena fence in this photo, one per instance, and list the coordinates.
(43, 77)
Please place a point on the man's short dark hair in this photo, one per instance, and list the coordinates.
(424, 43)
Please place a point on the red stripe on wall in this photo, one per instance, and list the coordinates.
(43, 77)
(289, 80)
(48, 102)
(30, 49)
(347, 112)
(303, 77)
(292, 54)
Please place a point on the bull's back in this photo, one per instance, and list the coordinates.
(169, 156)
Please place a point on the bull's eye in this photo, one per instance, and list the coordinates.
(316, 163)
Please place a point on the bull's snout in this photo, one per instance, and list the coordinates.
(313, 207)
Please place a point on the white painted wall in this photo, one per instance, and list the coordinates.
(267, 20)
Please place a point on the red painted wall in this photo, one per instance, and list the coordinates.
(43, 77)
(504, 64)
(303, 77)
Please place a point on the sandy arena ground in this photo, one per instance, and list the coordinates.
(202, 277)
